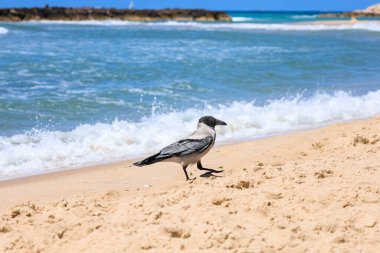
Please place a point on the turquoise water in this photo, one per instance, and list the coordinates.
(73, 93)
(271, 17)
(282, 17)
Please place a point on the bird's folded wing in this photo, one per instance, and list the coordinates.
(186, 147)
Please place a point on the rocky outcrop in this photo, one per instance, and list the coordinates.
(372, 11)
(75, 14)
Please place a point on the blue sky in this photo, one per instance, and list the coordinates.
(207, 4)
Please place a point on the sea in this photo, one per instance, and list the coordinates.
(74, 94)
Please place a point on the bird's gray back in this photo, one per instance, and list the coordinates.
(186, 147)
(191, 149)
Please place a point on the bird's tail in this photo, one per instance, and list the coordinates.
(150, 160)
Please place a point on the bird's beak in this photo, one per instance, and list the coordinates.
(220, 123)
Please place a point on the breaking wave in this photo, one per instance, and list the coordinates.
(3, 30)
(243, 19)
(223, 26)
(43, 151)
(304, 16)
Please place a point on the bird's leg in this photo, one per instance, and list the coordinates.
(200, 167)
(187, 176)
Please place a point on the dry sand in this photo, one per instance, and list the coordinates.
(314, 191)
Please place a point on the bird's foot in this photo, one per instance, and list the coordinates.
(191, 179)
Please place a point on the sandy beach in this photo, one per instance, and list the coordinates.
(312, 191)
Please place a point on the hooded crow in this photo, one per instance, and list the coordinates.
(191, 149)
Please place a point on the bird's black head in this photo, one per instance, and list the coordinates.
(211, 121)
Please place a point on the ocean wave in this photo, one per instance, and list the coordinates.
(279, 27)
(3, 30)
(221, 26)
(303, 16)
(42, 151)
(243, 19)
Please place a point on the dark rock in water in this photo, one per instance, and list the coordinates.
(75, 14)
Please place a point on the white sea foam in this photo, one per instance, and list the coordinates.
(40, 152)
(280, 27)
(222, 26)
(3, 30)
(304, 16)
(243, 19)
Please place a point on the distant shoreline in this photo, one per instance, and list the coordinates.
(372, 11)
(349, 15)
(78, 14)
(339, 22)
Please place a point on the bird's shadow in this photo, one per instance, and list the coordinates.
(209, 174)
